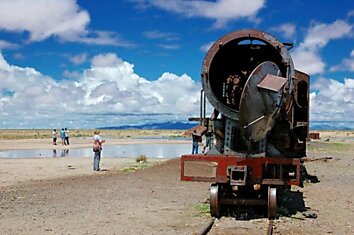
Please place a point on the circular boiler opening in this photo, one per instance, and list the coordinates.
(233, 63)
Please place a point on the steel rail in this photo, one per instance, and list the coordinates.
(205, 230)
(270, 227)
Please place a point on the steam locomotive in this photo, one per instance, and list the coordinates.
(260, 121)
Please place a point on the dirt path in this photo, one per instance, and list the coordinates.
(152, 201)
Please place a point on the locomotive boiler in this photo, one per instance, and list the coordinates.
(260, 122)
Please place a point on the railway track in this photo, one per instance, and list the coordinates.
(270, 227)
(208, 227)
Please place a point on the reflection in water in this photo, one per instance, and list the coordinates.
(64, 153)
(129, 150)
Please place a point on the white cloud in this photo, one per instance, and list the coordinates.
(7, 45)
(63, 19)
(169, 46)
(332, 100)
(347, 64)
(44, 18)
(71, 75)
(205, 48)
(165, 37)
(19, 56)
(109, 93)
(351, 13)
(307, 56)
(103, 38)
(287, 29)
(221, 11)
(106, 60)
(308, 61)
(156, 34)
(78, 59)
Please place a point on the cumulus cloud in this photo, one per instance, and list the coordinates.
(221, 11)
(106, 60)
(332, 100)
(109, 93)
(44, 18)
(71, 75)
(307, 56)
(63, 19)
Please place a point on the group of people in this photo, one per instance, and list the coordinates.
(98, 141)
(97, 145)
(64, 135)
(197, 138)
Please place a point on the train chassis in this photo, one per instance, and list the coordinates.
(244, 181)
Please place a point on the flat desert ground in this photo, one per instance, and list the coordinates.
(64, 195)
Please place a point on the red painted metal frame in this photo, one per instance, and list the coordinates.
(256, 164)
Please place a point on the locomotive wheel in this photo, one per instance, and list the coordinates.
(215, 201)
(272, 202)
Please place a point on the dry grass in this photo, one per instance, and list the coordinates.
(47, 133)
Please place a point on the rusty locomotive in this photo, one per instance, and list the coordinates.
(260, 121)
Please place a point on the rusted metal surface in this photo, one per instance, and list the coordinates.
(199, 130)
(257, 109)
(254, 163)
(272, 202)
(205, 230)
(234, 37)
(314, 135)
(243, 202)
(215, 207)
(272, 83)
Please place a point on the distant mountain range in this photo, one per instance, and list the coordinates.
(314, 125)
(332, 125)
(154, 126)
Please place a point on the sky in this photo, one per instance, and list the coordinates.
(91, 63)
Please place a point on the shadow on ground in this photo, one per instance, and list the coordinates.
(289, 203)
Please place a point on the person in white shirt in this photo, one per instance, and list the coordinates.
(97, 149)
(66, 133)
(54, 135)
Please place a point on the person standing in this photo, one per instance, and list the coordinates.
(54, 135)
(97, 149)
(196, 139)
(62, 136)
(66, 134)
(208, 141)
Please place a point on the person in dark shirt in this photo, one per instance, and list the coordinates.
(196, 139)
(208, 140)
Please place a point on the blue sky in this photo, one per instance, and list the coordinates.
(90, 63)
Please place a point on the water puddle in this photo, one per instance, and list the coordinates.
(129, 150)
